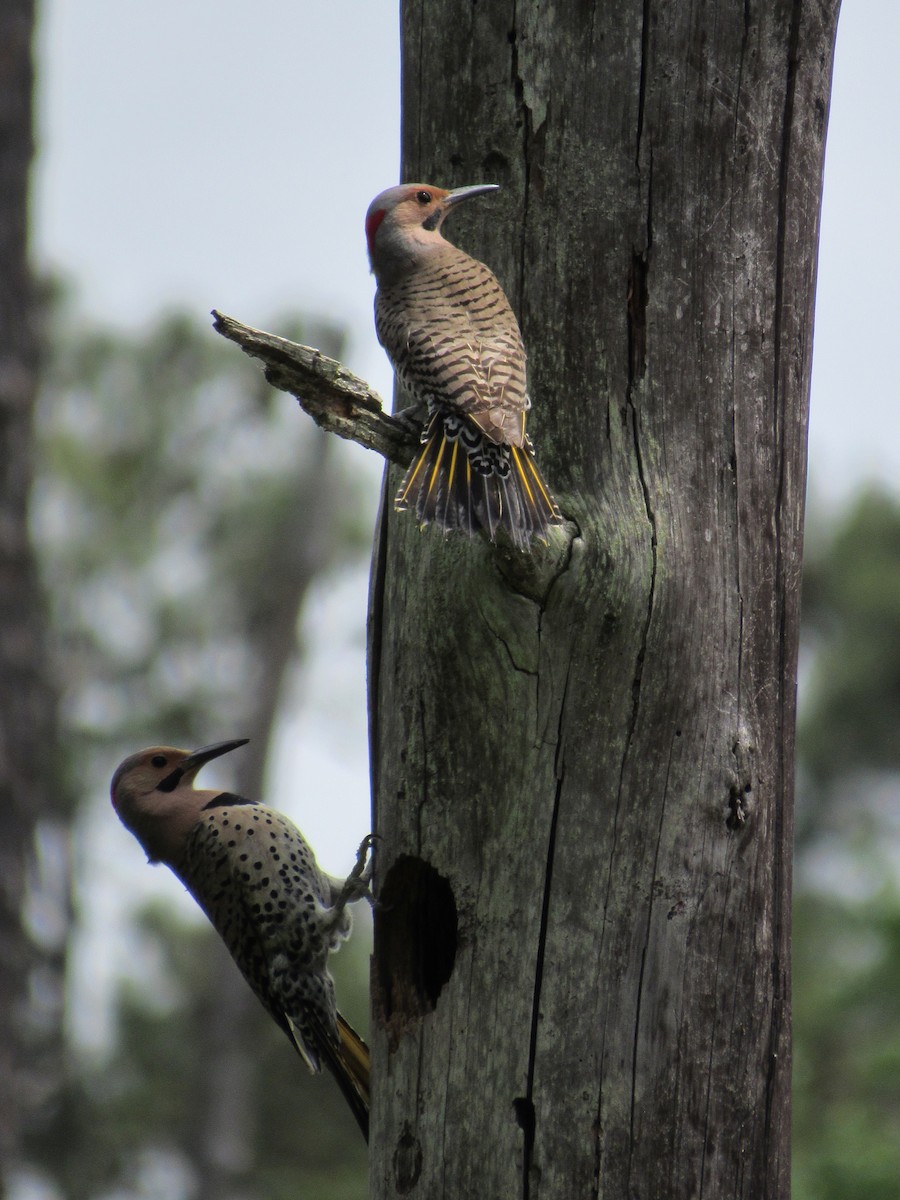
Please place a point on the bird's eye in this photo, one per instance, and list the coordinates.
(158, 760)
(424, 197)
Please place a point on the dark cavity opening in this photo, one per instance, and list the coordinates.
(415, 938)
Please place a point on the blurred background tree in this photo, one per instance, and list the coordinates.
(35, 803)
(182, 513)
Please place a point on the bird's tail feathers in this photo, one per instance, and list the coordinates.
(356, 1057)
(309, 1057)
(349, 1064)
(462, 480)
(347, 1059)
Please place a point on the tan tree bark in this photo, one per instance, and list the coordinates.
(583, 772)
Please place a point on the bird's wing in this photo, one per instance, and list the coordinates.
(483, 375)
(454, 340)
(241, 888)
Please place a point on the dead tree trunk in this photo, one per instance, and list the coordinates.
(583, 776)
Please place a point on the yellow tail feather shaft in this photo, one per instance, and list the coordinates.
(452, 471)
(516, 454)
(536, 475)
(411, 477)
(437, 466)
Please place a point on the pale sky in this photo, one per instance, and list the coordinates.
(166, 128)
(212, 153)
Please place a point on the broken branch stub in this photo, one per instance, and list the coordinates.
(337, 400)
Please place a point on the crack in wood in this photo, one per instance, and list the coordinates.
(642, 85)
(528, 1148)
(640, 987)
(636, 315)
(375, 627)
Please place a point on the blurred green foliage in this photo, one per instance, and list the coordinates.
(847, 1047)
(846, 892)
(851, 623)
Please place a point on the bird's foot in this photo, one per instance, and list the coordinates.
(412, 418)
(356, 885)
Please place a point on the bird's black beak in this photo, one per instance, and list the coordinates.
(465, 193)
(189, 766)
(453, 198)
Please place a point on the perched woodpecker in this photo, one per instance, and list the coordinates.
(256, 878)
(453, 340)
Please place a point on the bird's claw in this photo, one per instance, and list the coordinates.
(412, 419)
(356, 885)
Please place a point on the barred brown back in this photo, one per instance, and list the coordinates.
(453, 339)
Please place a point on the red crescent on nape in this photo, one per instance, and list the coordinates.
(373, 220)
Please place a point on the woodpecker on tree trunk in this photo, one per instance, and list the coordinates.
(454, 342)
(256, 878)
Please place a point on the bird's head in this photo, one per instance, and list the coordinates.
(154, 797)
(404, 223)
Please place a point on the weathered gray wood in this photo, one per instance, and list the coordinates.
(336, 399)
(581, 972)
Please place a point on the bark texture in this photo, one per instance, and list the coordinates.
(585, 787)
(338, 401)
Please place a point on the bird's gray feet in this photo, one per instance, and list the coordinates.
(412, 418)
(356, 885)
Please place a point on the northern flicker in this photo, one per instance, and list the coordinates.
(256, 878)
(454, 342)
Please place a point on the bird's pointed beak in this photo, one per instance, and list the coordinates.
(197, 758)
(188, 767)
(466, 193)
